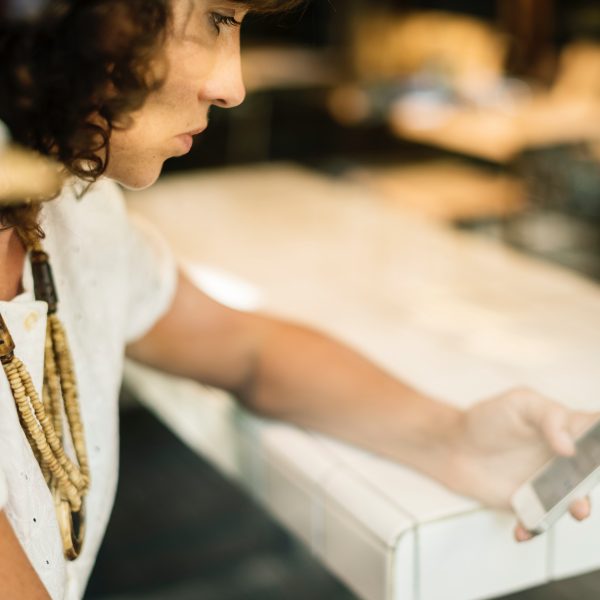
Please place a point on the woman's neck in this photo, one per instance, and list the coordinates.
(12, 260)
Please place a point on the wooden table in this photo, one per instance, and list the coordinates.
(460, 317)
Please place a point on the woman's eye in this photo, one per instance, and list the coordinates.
(219, 19)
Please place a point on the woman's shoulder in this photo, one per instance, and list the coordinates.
(87, 228)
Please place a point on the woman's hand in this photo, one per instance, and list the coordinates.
(503, 441)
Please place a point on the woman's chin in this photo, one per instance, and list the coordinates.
(139, 180)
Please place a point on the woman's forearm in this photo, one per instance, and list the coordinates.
(304, 377)
(293, 373)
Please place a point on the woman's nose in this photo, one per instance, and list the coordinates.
(225, 86)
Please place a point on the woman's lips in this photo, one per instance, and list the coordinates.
(187, 139)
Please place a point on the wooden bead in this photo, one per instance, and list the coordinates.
(42, 420)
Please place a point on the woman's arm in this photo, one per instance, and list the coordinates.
(18, 579)
(295, 374)
(285, 371)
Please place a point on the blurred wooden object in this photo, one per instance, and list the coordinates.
(446, 190)
(27, 177)
(466, 104)
(388, 47)
(499, 136)
(579, 71)
(568, 113)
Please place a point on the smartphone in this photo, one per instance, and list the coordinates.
(541, 500)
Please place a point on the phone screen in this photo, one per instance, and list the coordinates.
(566, 473)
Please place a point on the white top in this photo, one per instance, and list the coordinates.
(114, 279)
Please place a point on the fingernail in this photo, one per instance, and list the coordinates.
(522, 535)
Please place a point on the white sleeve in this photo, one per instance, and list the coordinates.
(152, 278)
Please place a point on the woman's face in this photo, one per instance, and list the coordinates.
(203, 57)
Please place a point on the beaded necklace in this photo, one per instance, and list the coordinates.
(43, 421)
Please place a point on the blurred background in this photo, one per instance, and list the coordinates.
(482, 114)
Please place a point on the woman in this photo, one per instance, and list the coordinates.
(111, 89)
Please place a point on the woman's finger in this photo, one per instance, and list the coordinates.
(521, 534)
(580, 509)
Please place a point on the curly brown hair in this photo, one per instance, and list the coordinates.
(78, 59)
